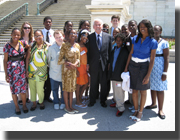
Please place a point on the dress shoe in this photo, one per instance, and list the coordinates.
(90, 104)
(49, 100)
(18, 112)
(113, 105)
(103, 104)
(161, 116)
(119, 113)
(151, 107)
(127, 102)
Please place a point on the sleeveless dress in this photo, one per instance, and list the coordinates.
(83, 76)
(16, 69)
(155, 79)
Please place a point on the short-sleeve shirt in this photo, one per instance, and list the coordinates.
(143, 50)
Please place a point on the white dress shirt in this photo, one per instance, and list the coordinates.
(51, 37)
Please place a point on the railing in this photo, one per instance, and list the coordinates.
(12, 17)
(43, 5)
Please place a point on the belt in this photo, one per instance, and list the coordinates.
(159, 55)
(16, 58)
(137, 60)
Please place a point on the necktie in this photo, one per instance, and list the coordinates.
(47, 37)
(99, 44)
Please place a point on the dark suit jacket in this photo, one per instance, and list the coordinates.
(94, 55)
(120, 64)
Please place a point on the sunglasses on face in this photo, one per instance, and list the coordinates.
(104, 29)
(27, 28)
(84, 35)
(73, 33)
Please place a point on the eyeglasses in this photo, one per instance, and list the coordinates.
(104, 29)
(73, 33)
(84, 35)
(26, 27)
(37, 36)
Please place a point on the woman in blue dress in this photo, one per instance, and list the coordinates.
(158, 78)
(140, 63)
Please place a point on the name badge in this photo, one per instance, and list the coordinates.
(118, 85)
(83, 52)
(127, 43)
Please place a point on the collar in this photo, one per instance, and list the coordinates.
(99, 34)
(47, 30)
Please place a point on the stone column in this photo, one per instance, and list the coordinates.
(104, 9)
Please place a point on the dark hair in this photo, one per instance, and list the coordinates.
(105, 25)
(47, 17)
(132, 21)
(13, 31)
(115, 16)
(66, 24)
(38, 30)
(81, 22)
(125, 25)
(159, 27)
(120, 35)
(80, 33)
(149, 26)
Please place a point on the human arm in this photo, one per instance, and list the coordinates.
(151, 63)
(61, 59)
(27, 62)
(166, 63)
(129, 58)
(5, 66)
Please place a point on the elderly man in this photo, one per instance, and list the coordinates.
(99, 49)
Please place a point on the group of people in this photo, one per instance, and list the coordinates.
(133, 58)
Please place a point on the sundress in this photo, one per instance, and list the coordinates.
(16, 69)
(155, 79)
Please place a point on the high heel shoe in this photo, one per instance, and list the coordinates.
(136, 119)
(132, 117)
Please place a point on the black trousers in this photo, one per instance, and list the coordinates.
(47, 87)
(98, 77)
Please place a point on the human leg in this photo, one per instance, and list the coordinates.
(23, 97)
(14, 96)
(160, 97)
(40, 92)
(55, 88)
(153, 98)
(135, 101)
(77, 92)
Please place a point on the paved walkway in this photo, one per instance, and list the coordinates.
(95, 118)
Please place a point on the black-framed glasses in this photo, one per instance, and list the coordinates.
(26, 27)
(104, 29)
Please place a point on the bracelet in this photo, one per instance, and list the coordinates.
(164, 73)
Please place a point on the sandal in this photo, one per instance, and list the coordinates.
(20, 102)
(27, 100)
(136, 119)
(132, 116)
(33, 108)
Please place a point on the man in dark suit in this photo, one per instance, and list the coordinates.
(99, 50)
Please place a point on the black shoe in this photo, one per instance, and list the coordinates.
(49, 100)
(25, 111)
(103, 104)
(151, 107)
(161, 116)
(17, 112)
(42, 107)
(127, 102)
(91, 104)
(33, 108)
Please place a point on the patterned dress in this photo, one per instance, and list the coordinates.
(155, 79)
(83, 76)
(38, 63)
(70, 54)
(16, 69)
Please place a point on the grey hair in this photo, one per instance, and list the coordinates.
(97, 19)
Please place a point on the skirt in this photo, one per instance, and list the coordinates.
(137, 73)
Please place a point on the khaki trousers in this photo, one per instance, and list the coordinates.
(118, 94)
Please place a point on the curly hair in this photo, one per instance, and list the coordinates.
(120, 35)
(149, 26)
(31, 31)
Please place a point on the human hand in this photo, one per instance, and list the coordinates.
(145, 80)
(7, 79)
(77, 73)
(163, 77)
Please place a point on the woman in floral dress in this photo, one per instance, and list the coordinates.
(14, 68)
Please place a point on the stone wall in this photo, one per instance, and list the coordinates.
(161, 12)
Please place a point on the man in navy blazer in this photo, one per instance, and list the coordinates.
(99, 50)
